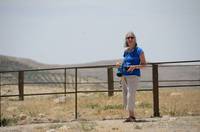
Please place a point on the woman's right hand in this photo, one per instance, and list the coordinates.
(118, 64)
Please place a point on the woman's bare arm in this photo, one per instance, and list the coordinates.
(142, 60)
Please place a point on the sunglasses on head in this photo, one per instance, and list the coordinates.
(130, 37)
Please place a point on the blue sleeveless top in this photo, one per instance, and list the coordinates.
(131, 57)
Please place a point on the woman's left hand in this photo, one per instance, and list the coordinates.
(131, 68)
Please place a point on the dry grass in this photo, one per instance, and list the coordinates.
(178, 102)
(93, 106)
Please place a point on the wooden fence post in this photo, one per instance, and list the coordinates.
(0, 102)
(110, 81)
(65, 81)
(76, 112)
(155, 90)
(21, 85)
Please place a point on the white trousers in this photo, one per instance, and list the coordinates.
(129, 87)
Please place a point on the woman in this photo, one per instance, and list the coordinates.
(133, 61)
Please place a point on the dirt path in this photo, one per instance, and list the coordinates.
(164, 124)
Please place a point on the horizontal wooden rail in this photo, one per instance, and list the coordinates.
(96, 66)
(81, 91)
(38, 83)
(161, 86)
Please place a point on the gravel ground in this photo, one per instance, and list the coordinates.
(163, 124)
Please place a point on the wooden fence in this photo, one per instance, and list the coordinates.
(110, 83)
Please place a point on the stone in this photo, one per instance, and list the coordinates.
(172, 118)
(63, 128)
(51, 130)
(11, 109)
(22, 116)
(137, 103)
(139, 126)
(60, 100)
(115, 128)
(165, 117)
(22, 122)
(146, 111)
(176, 94)
(50, 119)
(41, 115)
(189, 113)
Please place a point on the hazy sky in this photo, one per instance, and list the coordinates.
(78, 31)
